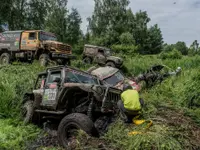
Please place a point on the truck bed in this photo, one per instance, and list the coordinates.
(10, 40)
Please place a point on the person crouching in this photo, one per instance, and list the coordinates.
(130, 104)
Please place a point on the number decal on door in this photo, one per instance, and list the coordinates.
(50, 94)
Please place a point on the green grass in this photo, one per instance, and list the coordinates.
(172, 98)
(13, 134)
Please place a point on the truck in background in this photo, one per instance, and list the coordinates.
(28, 45)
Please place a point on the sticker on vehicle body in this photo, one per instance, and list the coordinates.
(50, 94)
(16, 43)
(5, 44)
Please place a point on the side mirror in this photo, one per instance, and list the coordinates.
(57, 80)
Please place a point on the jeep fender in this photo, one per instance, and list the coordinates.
(28, 96)
(114, 59)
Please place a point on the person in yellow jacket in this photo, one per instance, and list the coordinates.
(130, 104)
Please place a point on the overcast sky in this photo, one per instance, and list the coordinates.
(178, 19)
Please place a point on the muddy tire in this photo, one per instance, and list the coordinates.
(111, 64)
(69, 126)
(87, 60)
(27, 112)
(5, 59)
(44, 60)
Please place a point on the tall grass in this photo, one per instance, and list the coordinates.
(175, 92)
(13, 134)
(15, 80)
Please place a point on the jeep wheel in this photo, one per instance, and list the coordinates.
(69, 126)
(111, 64)
(27, 112)
(87, 60)
(5, 59)
(44, 60)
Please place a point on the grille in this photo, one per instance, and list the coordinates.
(111, 99)
(63, 47)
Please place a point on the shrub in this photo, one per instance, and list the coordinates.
(174, 54)
(125, 49)
(126, 38)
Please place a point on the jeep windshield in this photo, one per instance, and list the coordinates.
(47, 36)
(78, 77)
(114, 79)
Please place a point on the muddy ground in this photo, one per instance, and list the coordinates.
(181, 125)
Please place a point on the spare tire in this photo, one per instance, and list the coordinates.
(69, 126)
(27, 112)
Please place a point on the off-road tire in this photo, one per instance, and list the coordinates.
(87, 60)
(5, 59)
(29, 112)
(111, 64)
(44, 60)
(77, 121)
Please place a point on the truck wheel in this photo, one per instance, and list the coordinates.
(87, 60)
(44, 59)
(5, 59)
(69, 126)
(27, 112)
(111, 64)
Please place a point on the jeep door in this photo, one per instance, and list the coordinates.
(51, 90)
(29, 40)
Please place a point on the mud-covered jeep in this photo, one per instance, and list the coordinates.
(73, 98)
(101, 56)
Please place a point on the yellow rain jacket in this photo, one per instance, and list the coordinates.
(131, 101)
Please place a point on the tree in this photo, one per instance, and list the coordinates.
(57, 19)
(73, 27)
(109, 20)
(139, 28)
(181, 46)
(126, 38)
(37, 12)
(14, 13)
(114, 23)
(154, 41)
(195, 46)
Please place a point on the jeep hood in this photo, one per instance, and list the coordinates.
(104, 72)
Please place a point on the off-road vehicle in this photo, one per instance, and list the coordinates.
(101, 56)
(74, 99)
(112, 77)
(33, 44)
(115, 78)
